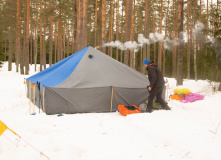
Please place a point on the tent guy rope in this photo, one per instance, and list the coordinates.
(3, 128)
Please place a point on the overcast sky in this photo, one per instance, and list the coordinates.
(214, 1)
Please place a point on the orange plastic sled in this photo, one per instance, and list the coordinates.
(125, 110)
(177, 97)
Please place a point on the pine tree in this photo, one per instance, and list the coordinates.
(129, 5)
(27, 38)
(103, 34)
(180, 47)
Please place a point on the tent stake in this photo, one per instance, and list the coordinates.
(112, 99)
(43, 100)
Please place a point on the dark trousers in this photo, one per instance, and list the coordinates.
(156, 92)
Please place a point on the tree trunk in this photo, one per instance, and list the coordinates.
(31, 36)
(103, 49)
(56, 43)
(148, 27)
(201, 42)
(95, 25)
(75, 27)
(5, 49)
(144, 54)
(188, 41)
(207, 23)
(72, 43)
(31, 44)
(195, 52)
(154, 44)
(10, 52)
(22, 64)
(175, 33)
(10, 39)
(40, 28)
(216, 19)
(122, 35)
(180, 47)
(50, 34)
(160, 42)
(59, 51)
(23, 47)
(27, 39)
(131, 37)
(35, 47)
(117, 28)
(164, 50)
(129, 5)
(44, 37)
(79, 27)
(80, 35)
(64, 41)
(84, 27)
(68, 40)
(35, 41)
(111, 28)
(18, 36)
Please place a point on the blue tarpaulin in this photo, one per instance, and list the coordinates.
(57, 73)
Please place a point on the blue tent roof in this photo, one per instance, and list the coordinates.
(57, 73)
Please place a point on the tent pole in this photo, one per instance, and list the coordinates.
(112, 88)
(43, 99)
(25, 86)
(29, 97)
(39, 92)
(34, 99)
(167, 92)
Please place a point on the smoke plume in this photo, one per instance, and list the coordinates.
(167, 43)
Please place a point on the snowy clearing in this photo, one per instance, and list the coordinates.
(190, 131)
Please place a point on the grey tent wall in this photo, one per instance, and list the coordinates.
(78, 100)
(91, 100)
(130, 96)
(88, 100)
(38, 95)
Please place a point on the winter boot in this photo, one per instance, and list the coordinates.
(149, 109)
(166, 107)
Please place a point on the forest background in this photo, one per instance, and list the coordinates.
(182, 36)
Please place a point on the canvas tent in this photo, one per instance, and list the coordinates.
(88, 81)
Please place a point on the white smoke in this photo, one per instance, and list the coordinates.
(152, 38)
(198, 31)
(209, 39)
(168, 44)
(198, 28)
(124, 46)
(142, 40)
(132, 45)
(217, 47)
(155, 37)
(117, 44)
(159, 36)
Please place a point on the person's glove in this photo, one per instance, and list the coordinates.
(148, 89)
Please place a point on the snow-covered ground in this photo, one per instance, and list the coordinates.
(188, 131)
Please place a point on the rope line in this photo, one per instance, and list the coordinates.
(19, 140)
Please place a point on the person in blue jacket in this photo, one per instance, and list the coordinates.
(156, 85)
